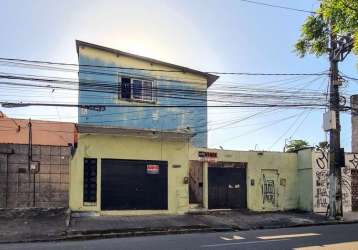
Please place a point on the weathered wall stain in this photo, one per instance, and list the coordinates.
(134, 114)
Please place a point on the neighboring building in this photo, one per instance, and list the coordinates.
(16, 131)
(313, 176)
(354, 105)
(34, 174)
(259, 181)
(117, 78)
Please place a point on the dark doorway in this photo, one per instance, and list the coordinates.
(134, 184)
(354, 183)
(227, 187)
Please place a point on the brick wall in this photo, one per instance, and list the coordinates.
(20, 188)
(354, 104)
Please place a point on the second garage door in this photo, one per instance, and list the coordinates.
(227, 187)
(134, 184)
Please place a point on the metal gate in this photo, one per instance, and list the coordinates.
(227, 187)
(134, 184)
(354, 183)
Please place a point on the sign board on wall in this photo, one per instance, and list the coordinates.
(152, 169)
(207, 156)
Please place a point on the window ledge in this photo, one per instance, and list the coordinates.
(135, 101)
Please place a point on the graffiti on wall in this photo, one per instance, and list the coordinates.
(268, 190)
(321, 180)
(321, 177)
(354, 161)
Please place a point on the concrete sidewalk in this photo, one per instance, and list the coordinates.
(44, 225)
(119, 226)
(22, 225)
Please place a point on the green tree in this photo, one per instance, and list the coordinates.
(315, 32)
(324, 145)
(295, 145)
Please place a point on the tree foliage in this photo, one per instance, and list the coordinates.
(295, 145)
(342, 14)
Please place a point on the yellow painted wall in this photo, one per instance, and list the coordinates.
(130, 62)
(155, 147)
(284, 164)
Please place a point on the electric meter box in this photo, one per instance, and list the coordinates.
(329, 121)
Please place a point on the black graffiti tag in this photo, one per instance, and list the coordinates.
(354, 161)
(322, 160)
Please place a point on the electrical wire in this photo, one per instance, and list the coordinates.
(278, 6)
(29, 62)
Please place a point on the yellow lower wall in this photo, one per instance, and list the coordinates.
(175, 151)
(277, 166)
(261, 166)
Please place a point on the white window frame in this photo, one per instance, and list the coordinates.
(142, 98)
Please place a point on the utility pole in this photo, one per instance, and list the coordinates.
(335, 190)
(339, 49)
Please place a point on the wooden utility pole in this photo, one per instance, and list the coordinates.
(339, 49)
(335, 189)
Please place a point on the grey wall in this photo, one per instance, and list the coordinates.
(17, 187)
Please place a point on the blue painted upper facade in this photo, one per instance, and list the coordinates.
(119, 82)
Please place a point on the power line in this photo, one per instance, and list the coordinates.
(278, 6)
(286, 131)
(260, 128)
(69, 105)
(165, 92)
(32, 62)
(115, 84)
(300, 124)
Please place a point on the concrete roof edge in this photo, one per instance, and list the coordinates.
(37, 120)
(95, 129)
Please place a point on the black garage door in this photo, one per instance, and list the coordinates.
(227, 187)
(134, 184)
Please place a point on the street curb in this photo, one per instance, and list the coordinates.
(326, 223)
(146, 232)
(87, 235)
(106, 234)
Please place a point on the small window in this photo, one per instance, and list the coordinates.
(135, 89)
(90, 180)
(125, 88)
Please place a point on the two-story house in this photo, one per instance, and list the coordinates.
(137, 121)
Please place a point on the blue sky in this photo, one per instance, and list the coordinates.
(215, 36)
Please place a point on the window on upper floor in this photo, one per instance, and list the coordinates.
(136, 89)
(125, 88)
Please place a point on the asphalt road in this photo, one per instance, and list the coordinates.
(305, 238)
